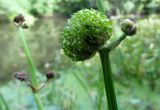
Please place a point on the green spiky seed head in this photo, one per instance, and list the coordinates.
(85, 33)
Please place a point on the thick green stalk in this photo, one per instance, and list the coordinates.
(108, 81)
(107, 74)
(100, 5)
(31, 66)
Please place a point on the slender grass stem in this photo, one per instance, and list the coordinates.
(108, 81)
(38, 102)
(107, 74)
(100, 93)
(80, 82)
(28, 56)
(31, 66)
(3, 103)
(83, 85)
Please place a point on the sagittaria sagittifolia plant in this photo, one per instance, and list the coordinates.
(86, 33)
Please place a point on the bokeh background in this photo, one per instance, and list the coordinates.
(79, 85)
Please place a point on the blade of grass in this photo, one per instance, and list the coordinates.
(3, 103)
(100, 87)
(82, 84)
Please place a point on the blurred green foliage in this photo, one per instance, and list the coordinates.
(40, 8)
(68, 7)
(134, 6)
(36, 8)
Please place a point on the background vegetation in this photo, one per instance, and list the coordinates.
(135, 63)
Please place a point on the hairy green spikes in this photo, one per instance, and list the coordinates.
(85, 33)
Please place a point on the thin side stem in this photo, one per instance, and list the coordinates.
(115, 43)
(108, 81)
(31, 66)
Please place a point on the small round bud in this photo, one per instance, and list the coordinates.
(49, 75)
(20, 76)
(19, 19)
(128, 27)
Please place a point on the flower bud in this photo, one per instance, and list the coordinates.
(85, 33)
(128, 27)
(20, 76)
(49, 75)
(19, 19)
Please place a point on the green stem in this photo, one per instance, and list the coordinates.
(3, 103)
(108, 81)
(31, 66)
(38, 102)
(115, 43)
(100, 5)
(105, 61)
(28, 56)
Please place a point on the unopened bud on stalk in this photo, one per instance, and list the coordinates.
(128, 27)
(19, 20)
(20, 76)
(49, 75)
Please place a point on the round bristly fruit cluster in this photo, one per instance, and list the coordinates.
(85, 33)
